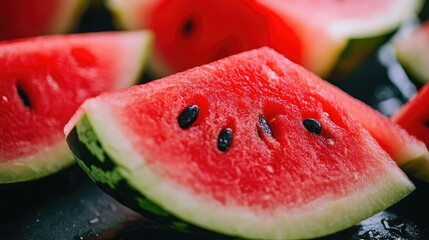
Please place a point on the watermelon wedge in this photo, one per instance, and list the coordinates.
(412, 51)
(414, 115)
(329, 38)
(43, 82)
(251, 146)
(26, 18)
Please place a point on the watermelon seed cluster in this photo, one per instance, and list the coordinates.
(189, 115)
(312, 125)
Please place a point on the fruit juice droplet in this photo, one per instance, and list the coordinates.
(393, 224)
(371, 234)
(94, 220)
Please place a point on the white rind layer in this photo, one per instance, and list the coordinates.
(45, 161)
(318, 218)
(136, 55)
(333, 36)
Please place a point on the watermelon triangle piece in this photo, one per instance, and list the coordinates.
(43, 82)
(191, 33)
(251, 146)
(414, 115)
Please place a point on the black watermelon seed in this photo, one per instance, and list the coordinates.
(188, 116)
(312, 125)
(188, 27)
(427, 123)
(24, 97)
(264, 125)
(224, 139)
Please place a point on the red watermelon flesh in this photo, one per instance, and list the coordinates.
(289, 182)
(210, 31)
(414, 115)
(409, 153)
(44, 80)
(315, 34)
(25, 18)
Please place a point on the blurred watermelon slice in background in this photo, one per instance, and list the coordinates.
(43, 82)
(26, 18)
(329, 38)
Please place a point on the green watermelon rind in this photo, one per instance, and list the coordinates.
(411, 52)
(348, 43)
(100, 168)
(56, 157)
(313, 221)
(418, 167)
(352, 55)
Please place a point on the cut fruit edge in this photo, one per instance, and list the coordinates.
(47, 160)
(336, 39)
(309, 221)
(56, 155)
(67, 17)
(128, 14)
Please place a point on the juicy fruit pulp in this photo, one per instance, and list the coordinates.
(191, 33)
(408, 152)
(269, 154)
(44, 80)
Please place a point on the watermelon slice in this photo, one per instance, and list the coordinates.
(328, 37)
(25, 18)
(43, 82)
(414, 115)
(251, 146)
(412, 51)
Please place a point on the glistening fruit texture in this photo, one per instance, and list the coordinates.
(251, 146)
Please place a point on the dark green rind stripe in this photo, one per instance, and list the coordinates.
(99, 166)
(92, 158)
(356, 52)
